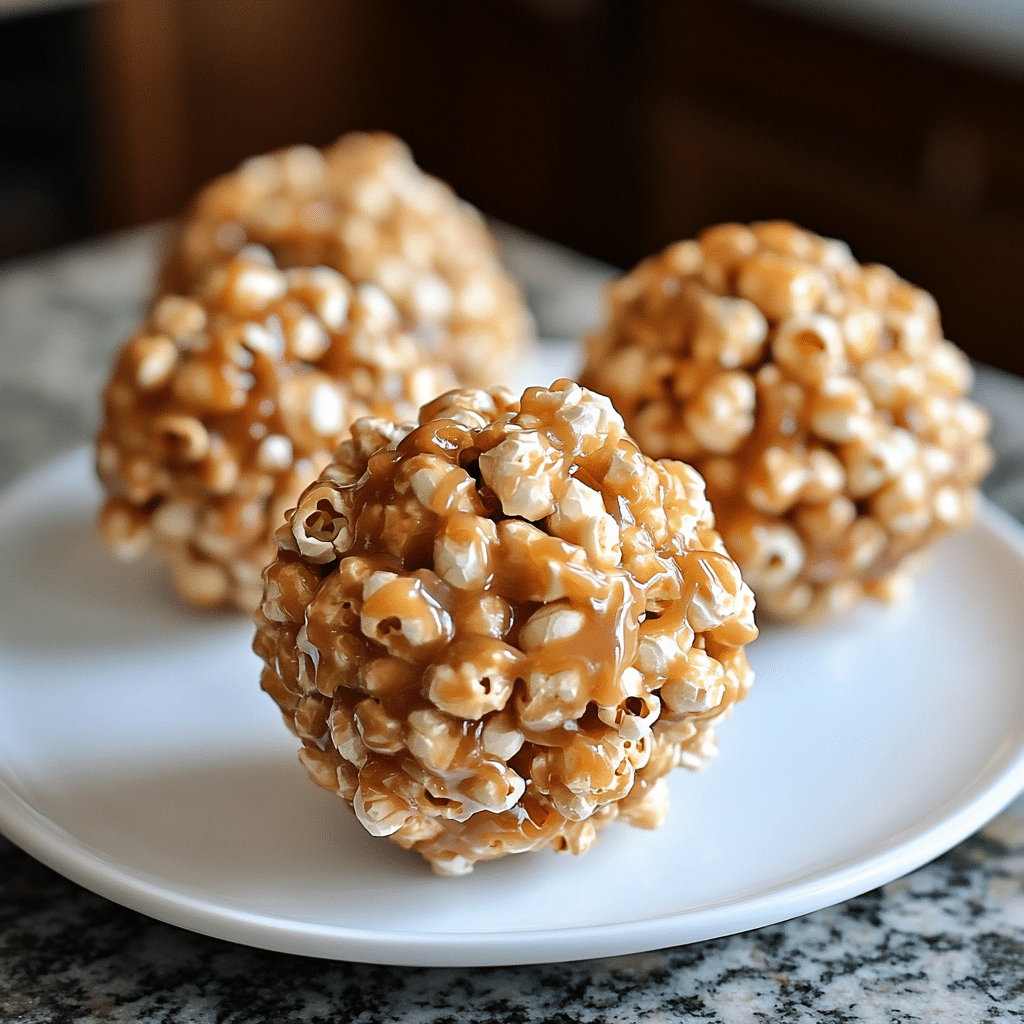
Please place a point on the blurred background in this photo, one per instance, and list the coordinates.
(611, 126)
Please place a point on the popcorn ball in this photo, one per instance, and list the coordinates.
(226, 404)
(817, 397)
(498, 629)
(363, 207)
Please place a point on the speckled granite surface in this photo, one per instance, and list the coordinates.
(946, 943)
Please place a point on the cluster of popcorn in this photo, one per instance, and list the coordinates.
(499, 628)
(224, 405)
(817, 397)
(363, 207)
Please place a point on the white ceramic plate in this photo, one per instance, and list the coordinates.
(139, 758)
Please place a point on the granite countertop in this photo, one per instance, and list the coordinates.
(945, 943)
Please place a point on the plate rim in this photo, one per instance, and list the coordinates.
(48, 842)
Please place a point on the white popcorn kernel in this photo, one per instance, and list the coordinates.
(591, 418)
(647, 805)
(658, 653)
(477, 299)
(258, 338)
(155, 358)
(494, 787)
(719, 591)
(259, 174)
(433, 738)
(809, 347)
(184, 437)
(950, 369)
(892, 380)
(776, 480)
(220, 471)
(862, 331)
(308, 339)
(255, 287)
(697, 757)
(770, 555)
(431, 298)
(377, 309)
(699, 688)
(451, 865)
(174, 520)
(952, 508)
(463, 551)
(476, 679)
(903, 505)
(826, 476)
(394, 275)
(179, 317)
(126, 529)
(781, 286)
(684, 257)
(442, 487)
(399, 613)
(862, 543)
(521, 471)
(358, 233)
(491, 616)
(380, 731)
(325, 291)
(550, 623)
(501, 738)
(841, 410)
(199, 385)
(721, 415)
(872, 461)
(326, 409)
(320, 524)
(729, 331)
(303, 167)
(972, 419)
(275, 453)
(379, 813)
(580, 518)
(371, 196)
(332, 308)
(911, 331)
(635, 715)
(551, 698)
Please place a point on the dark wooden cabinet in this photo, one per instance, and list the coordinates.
(613, 126)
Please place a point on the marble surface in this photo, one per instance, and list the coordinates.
(945, 943)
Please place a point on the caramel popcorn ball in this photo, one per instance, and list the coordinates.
(363, 207)
(227, 403)
(499, 629)
(818, 398)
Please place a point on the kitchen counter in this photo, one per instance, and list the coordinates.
(945, 943)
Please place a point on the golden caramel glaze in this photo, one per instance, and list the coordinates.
(225, 404)
(498, 629)
(817, 397)
(363, 207)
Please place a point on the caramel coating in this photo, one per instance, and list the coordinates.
(224, 405)
(363, 207)
(817, 397)
(499, 629)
